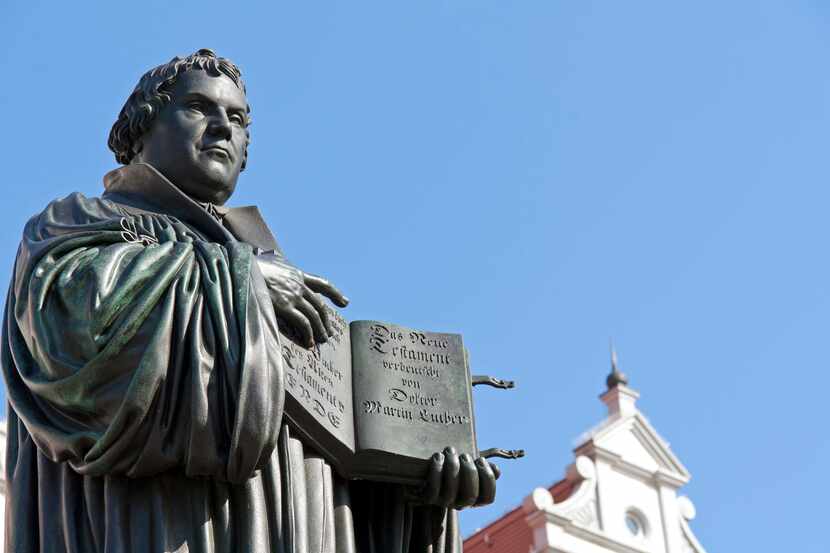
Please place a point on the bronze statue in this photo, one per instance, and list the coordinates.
(142, 362)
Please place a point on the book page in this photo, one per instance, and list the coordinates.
(411, 390)
(318, 386)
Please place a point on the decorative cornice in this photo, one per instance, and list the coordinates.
(665, 478)
(594, 536)
(542, 511)
(620, 464)
(658, 447)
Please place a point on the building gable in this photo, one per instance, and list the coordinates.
(619, 496)
(632, 441)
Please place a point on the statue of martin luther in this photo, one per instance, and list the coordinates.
(144, 374)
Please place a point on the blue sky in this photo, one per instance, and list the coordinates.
(539, 176)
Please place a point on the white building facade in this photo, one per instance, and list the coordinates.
(621, 494)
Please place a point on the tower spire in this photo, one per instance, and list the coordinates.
(616, 377)
(619, 398)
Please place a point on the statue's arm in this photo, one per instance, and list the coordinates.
(134, 358)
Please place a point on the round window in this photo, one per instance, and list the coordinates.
(635, 524)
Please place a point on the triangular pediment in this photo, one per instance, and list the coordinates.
(634, 441)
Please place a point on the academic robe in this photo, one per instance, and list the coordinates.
(145, 385)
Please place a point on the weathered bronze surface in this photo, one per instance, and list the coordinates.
(142, 361)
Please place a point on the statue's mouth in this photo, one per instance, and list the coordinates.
(218, 152)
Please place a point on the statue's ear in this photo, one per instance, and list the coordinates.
(137, 147)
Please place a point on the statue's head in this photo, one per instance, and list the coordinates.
(189, 119)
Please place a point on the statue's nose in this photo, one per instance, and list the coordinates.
(219, 126)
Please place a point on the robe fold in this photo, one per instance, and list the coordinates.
(145, 384)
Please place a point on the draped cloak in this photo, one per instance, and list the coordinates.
(145, 384)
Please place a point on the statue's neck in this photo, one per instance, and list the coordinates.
(213, 210)
(142, 186)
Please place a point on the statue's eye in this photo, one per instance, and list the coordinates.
(196, 106)
(238, 120)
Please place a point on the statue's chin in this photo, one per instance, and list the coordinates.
(205, 179)
(212, 185)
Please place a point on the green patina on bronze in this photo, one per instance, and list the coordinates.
(142, 360)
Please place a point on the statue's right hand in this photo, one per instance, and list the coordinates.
(458, 481)
(295, 300)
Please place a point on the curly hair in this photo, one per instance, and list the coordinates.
(153, 92)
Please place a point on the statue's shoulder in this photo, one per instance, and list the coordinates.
(74, 212)
(76, 208)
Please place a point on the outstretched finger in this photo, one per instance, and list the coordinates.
(486, 482)
(433, 484)
(467, 483)
(314, 318)
(323, 286)
(301, 325)
(317, 303)
(449, 482)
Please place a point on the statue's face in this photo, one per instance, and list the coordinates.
(198, 139)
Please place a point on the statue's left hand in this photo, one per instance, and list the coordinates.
(296, 299)
(458, 481)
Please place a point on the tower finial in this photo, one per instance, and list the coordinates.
(616, 377)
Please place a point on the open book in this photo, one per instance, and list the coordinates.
(377, 400)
